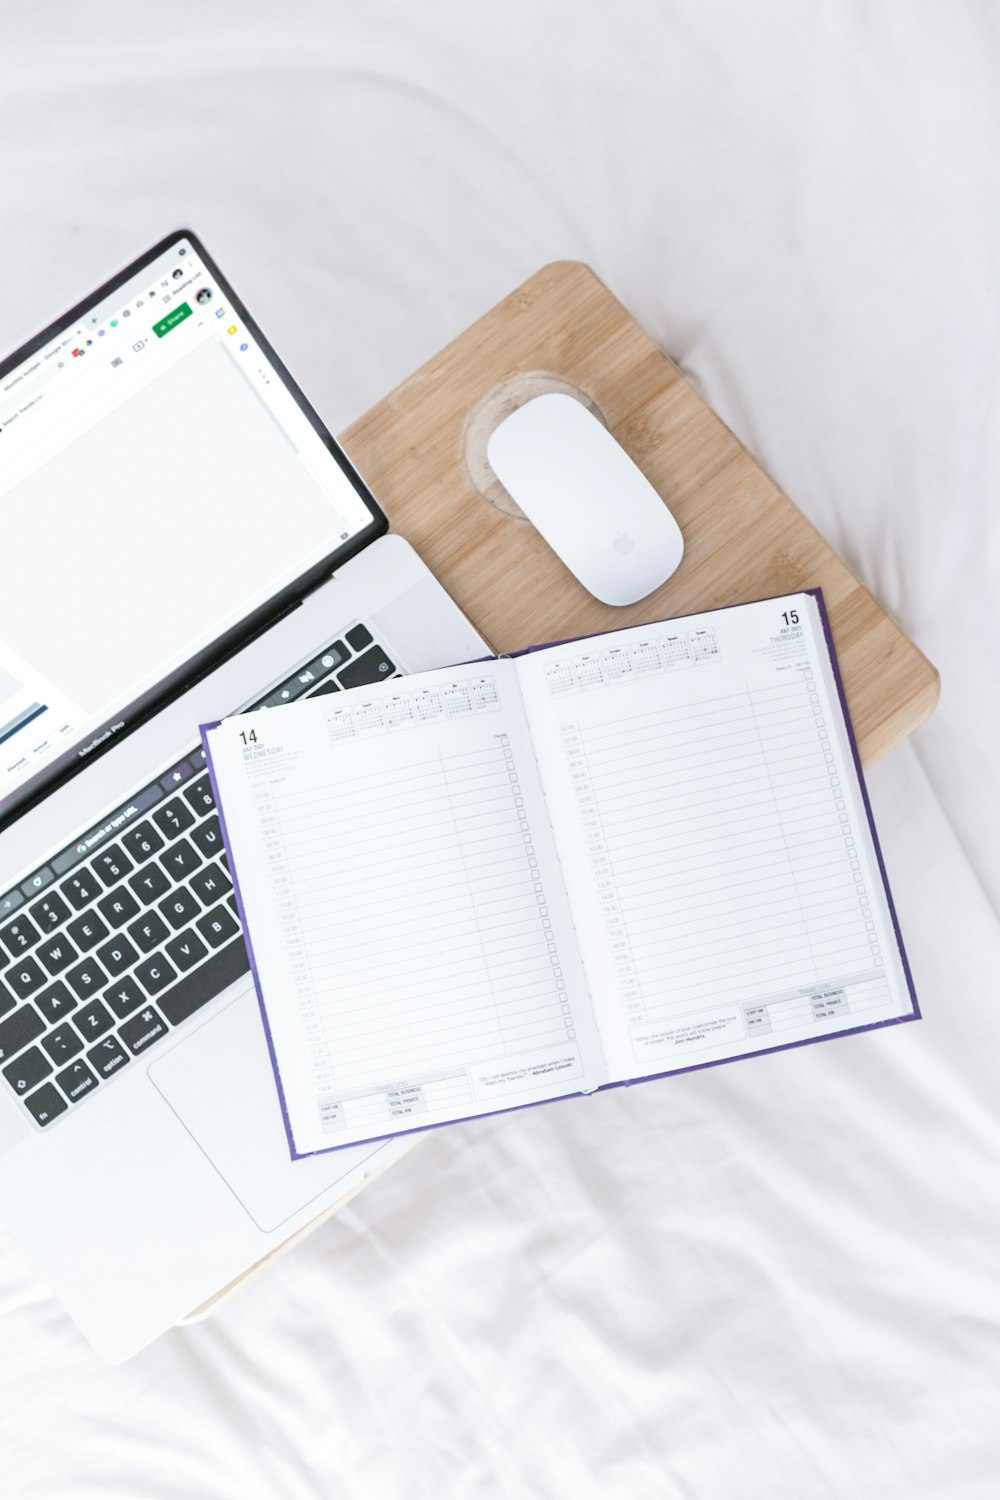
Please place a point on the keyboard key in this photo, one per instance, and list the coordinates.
(7, 999)
(118, 907)
(17, 1030)
(217, 926)
(24, 978)
(155, 974)
(18, 936)
(50, 912)
(80, 889)
(359, 637)
(199, 796)
(27, 1070)
(333, 656)
(86, 979)
(117, 955)
(286, 693)
(180, 908)
(57, 953)
(9, 902)
(76, 1080)
(142, 842)
(143, 1030)
(325, 687)
(149, 931)
(181, 858)
(93, 1020)
(87, 930)
(149, 884)
(63, 1044)
(210, 884)
(173, 818)
(55, 1002)
(208, 837)
(233, 904)
(374, 666)
(107, 1057)
(112, 865)
(186, 949)
(37, 882)
(46, 1103)
(179, 774)
(124, 997)
(204, 983)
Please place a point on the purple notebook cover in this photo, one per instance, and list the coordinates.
(914, 1015)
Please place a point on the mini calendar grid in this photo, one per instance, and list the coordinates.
(406, 708)
(593, 669)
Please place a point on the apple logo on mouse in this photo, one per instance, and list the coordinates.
(623, 543)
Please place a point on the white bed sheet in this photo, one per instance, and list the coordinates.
(777, 1279)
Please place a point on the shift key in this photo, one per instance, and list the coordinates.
(18, 1030)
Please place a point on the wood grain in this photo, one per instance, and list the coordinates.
(423, 452)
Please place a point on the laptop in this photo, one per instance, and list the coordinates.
(182, 538)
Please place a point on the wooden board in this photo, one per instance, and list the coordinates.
(423, 452)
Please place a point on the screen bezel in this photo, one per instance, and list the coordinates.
(104, 736)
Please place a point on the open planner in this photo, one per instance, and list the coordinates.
(495, 884)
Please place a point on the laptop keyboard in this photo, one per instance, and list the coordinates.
(128, 932)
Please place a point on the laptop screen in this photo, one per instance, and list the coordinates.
(160, 482)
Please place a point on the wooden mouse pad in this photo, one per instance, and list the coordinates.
(423, 452)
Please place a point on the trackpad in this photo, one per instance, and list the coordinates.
(219, 1083)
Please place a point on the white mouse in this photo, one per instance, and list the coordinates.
(595, 509)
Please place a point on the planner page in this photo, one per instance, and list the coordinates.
(409, 932)
(716, 843)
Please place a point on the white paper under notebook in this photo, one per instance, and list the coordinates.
(597, 862)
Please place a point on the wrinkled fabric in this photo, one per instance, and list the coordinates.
(775, 1280)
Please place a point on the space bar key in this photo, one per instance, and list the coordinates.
(205, 982)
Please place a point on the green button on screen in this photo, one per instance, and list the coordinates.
(179, 313)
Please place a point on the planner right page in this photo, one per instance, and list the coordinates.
(715, 837)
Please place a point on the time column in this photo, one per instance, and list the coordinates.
(286, 911)
(599, 860)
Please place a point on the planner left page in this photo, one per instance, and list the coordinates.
(409, 931)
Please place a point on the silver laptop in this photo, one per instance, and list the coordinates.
(180, 538)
